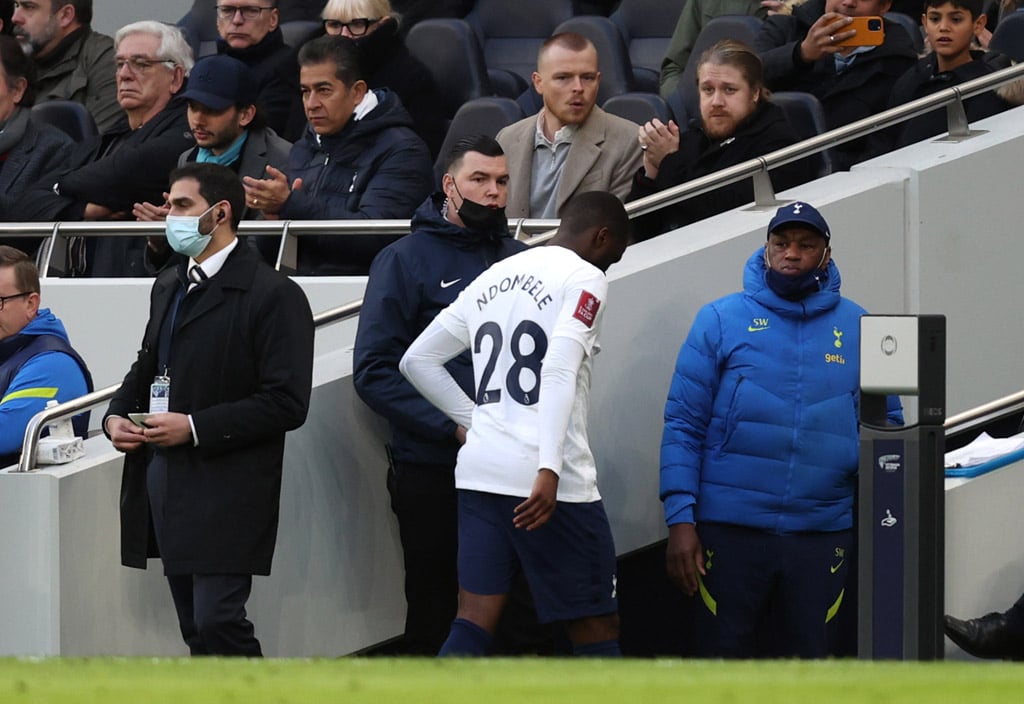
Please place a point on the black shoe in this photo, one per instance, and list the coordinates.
(988, 636)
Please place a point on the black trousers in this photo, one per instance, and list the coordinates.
(424, 500)
(211, 613)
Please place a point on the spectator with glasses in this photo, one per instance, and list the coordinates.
(37, 362)
(104, 176)
(249, 32)
(387, 63)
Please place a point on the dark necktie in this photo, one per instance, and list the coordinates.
(196, 274)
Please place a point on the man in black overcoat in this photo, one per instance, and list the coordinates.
(233, 341)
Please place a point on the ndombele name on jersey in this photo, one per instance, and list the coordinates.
(527, 283)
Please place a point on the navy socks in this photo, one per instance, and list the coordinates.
(466, 638)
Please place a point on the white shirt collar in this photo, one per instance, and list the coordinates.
(214, 262)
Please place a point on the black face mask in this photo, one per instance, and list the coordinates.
(480, 217)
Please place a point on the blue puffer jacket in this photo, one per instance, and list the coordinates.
(36, 365)
(411, 281)
(761, 418)
(374, 168)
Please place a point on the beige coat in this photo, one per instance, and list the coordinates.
(604, 156)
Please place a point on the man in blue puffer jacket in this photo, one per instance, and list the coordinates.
(37, 362)
(760, 449)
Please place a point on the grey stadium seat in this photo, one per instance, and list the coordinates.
(646, 27)
(480, 116)
(510, 33)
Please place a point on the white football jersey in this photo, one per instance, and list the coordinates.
(507, 317)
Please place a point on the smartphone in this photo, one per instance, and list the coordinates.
(139, 419)
(870, 32)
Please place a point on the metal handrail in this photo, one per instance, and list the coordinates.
(984, 413)
(952, 98)
(756, 168)
(30, 443)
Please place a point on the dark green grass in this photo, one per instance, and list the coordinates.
(518, 681)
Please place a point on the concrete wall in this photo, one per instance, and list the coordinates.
(923, 230)
(984, 570)
(336, 585)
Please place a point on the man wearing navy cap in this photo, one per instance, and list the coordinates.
(760, 448)
(228, 128)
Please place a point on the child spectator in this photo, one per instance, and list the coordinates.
(950, 26)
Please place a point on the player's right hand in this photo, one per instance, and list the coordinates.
(684, 557)
(536, 510)
(125, 435)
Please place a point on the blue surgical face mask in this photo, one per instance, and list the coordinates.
(183, 233)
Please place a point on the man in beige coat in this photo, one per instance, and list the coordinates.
(571, 145)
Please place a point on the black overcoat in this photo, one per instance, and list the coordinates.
(241, 364)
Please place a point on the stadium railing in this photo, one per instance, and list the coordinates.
(757, 169)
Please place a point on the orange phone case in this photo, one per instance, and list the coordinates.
(870, 32)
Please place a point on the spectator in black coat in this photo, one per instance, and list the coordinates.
(250, 33)
(28, 149)
(738, 123)
(801, 52)
(104, 176)
(387, 63)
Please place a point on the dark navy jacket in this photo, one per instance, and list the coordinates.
(374, 168)
(410, 282)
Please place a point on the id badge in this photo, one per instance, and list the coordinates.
(160, 394)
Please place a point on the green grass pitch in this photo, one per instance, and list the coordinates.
(502, 681)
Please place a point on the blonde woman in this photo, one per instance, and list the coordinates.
(387, 63)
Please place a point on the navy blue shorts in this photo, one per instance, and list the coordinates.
(569, 562)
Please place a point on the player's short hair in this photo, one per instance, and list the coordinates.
(591, 209)
(480, 143)
(26, 276)
(337, 50)
(216, 183)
